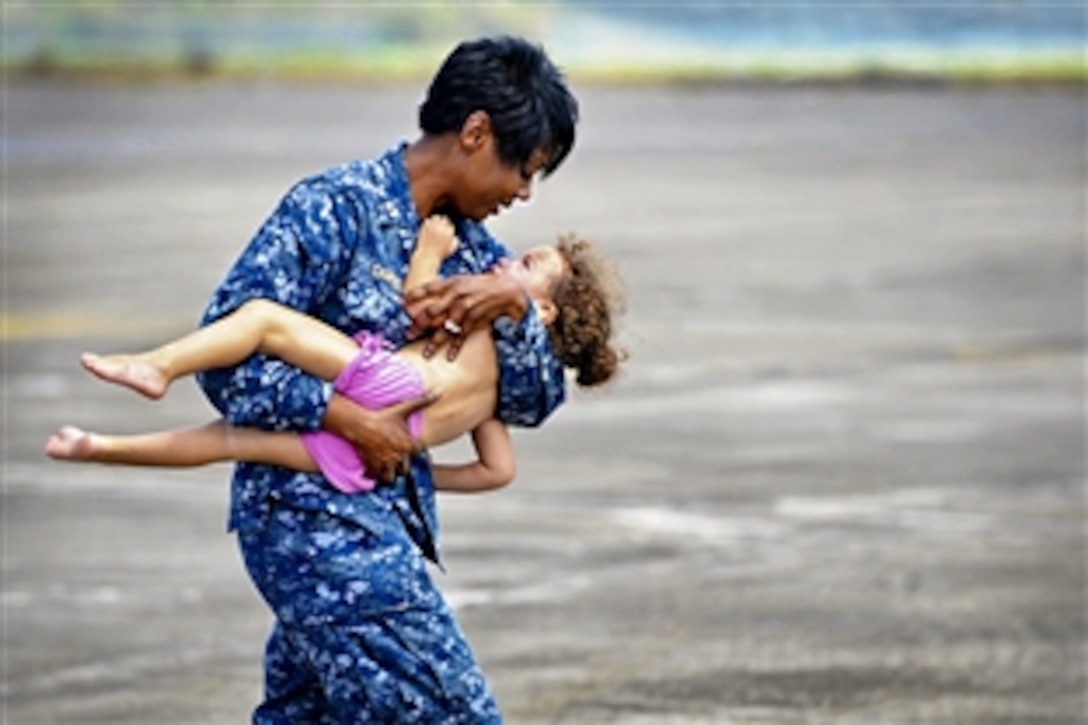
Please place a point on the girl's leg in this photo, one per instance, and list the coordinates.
(185, 447)
(257, 326)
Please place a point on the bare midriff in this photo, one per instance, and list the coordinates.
(468, 385)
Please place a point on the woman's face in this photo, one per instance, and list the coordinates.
(490, 185)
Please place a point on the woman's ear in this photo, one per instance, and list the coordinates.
(475, 130)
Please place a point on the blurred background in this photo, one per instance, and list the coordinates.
(841, 478)
(802, 39)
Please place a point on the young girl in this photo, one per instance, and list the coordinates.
(576, 295)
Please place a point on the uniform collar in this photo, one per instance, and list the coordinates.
(397, 209)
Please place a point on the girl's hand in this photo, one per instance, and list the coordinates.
(437, 237)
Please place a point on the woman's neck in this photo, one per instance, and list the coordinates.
(427, 162)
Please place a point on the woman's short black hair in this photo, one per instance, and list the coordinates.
(524, 94)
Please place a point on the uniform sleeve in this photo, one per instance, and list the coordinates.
(294, 259)
(531, 383)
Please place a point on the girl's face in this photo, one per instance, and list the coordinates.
(538, 271)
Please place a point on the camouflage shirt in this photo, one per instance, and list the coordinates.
(337, 247)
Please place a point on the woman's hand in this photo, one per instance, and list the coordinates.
(457, 306)
(380, 436)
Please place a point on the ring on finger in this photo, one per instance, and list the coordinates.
(452, 327)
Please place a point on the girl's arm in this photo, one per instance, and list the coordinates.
(436, 241)
(495, 468)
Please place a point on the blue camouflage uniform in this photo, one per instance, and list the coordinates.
(361, 633)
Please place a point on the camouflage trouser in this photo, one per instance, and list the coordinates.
(362, 635)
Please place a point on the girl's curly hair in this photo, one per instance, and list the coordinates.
(588, 301)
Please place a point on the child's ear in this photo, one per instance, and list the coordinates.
(546, 310)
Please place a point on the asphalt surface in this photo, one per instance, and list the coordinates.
(841, 480)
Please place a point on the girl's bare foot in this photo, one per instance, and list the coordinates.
(132, 371)
(72, 444)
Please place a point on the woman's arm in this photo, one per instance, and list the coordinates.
(297, 258)
(495, 468)
(531, 382)
(293, 259)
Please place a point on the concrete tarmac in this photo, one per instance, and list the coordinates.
(842, 479)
